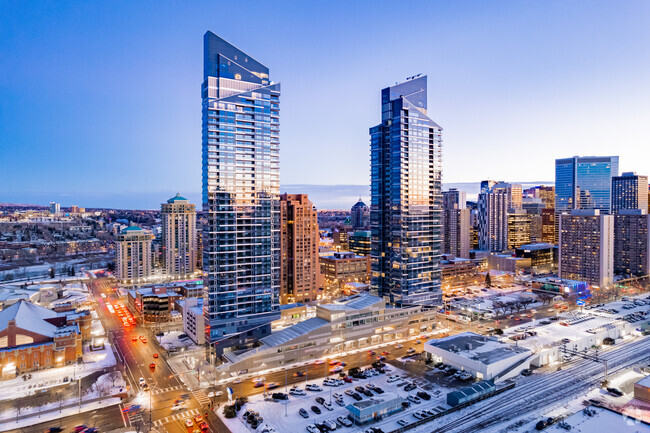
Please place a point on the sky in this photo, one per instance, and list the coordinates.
(100, 101)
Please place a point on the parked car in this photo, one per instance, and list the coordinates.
(328, 406)
(615, 392)
(403, 422)
(414, 399)
(357, 397)
(303, 413)
(526, 372)
(378, 390)
(279, 396)
(297, 391)
(316, 410)
(410, 387)
(320, 400)
(313, 387)
(340, 402)
(391, 379)
(344, 420)
(424, 395)
(311, 428)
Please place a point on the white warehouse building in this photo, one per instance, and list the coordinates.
(484, 357)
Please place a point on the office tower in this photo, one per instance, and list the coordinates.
(584, 183)
(74, 210)
(360, 242)
(455, 223)
(632, 242)
(587, 247)
(473, 229)
(545, 193)
(493, 220)
(360, 216)
(344, 267)
(299, 240)
(241, 237)
(486, 185)
(406, 202)
(340, 239)
(454, 199)
(55, 208)
(514, 191)
(533, 206)
(133, 263)
(629, 191)
(519, 222)
(549, 232)
(178, 236)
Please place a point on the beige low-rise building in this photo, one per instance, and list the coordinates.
(347, 325)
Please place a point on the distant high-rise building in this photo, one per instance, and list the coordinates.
(632, 242)
(514, 191)
(133, 258)
(629, 191)
(549, 233)
(584, 183)
(241, 236)
(455, 223)
(74, 209)
(340, 240)
(406, 201)
(55, 208)
(519, 222)
(360, 216)
(299, 240)
(486, 185)
(545, 193)
(360, 242)
(493, 220)
(587, 247)
(178, 236)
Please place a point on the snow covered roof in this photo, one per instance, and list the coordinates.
(477, 347)
(645, 382)
(600, 419)
(355, 302)
(295, 331)
(29, 317)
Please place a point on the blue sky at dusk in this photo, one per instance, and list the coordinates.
(100, 101)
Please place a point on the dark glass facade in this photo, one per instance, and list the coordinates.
(406, 199)
(240, 196)
(584, 183)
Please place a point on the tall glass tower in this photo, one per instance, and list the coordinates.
(584, 182)
(406, 198)
(241, 239)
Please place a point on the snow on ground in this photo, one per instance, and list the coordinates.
(170, 341)
(55, 414)
(274, 413)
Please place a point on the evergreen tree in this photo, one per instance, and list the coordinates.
(488, 280)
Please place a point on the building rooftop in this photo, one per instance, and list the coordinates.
(295, 331)
(374, 404)
(600, 419)
(644, 382)
(355, 302)
(177, 198)
(29, 317)
(538, 246)
(131, 229)
(477, 347)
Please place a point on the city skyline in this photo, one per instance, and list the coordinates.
(142, 127)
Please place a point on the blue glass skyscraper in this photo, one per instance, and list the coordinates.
(406, 198)
(584, 183)
(240, 196)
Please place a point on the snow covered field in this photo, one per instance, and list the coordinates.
(274, 412)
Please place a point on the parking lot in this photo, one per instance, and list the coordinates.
(273, 412)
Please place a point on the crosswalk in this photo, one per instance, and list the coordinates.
(135, 419)
(178, 416)
(164, 390)
(201, 397)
